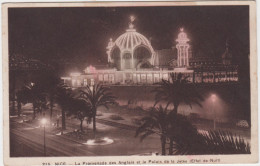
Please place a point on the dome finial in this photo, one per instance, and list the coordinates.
(132, 19)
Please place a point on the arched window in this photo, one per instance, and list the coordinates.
(144, 65)
(127, 61)
(115, 56)
(141, 54)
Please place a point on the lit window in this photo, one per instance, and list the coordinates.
(149, 78)
(100, 77)
(156, 78)
(92, 82)
(106, 77)
(85, 82)
(143, 78)
(134, 78)
(165, 76)
(138, 78)
(111, 78)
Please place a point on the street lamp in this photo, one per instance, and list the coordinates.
(44, 121)
(213, 99)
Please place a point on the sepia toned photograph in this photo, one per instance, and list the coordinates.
(137, 81)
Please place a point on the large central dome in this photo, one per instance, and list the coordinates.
(130, 50)
(131, 39)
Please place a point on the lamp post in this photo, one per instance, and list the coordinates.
(213, 99)
(44, 121)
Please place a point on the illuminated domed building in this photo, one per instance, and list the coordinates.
(130, 51)
(132, 60)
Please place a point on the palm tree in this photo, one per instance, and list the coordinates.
(212, 142)
(51, 85)
(184, 139)
(156, 123)
(96, 96)
(176, 91)
(180, 132)
(41, 104)
(64, 99)
(81, 110)
(221, 142)
(31, 93)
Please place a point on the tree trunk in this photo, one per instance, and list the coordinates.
(63, 120)
(81, 126)
(163, 143)
(34, 111)
(171, 147)
(40, 109)
(19, 108)
(175, 109)
(94, 125)
(94, 121)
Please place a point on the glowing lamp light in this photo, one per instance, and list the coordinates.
(44, 121)
(65, 78)
(213, 97)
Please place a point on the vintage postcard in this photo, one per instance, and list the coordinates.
(107, 83)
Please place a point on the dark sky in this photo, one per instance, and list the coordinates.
(80, 35)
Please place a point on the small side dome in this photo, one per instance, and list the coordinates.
(182, 37)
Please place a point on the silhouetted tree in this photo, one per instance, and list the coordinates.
(156, 123)
(176, 91)
(211, 142)
(31, 93)
(180, 131)
(64, 99)
(49, 82)
(81, 110)
(96, 96)
(51, 88)
(183, 138)
(41, 104)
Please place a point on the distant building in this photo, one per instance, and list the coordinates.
(132, 60)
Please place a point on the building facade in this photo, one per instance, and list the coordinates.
(131, 60)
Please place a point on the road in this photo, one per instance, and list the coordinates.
(27, 140)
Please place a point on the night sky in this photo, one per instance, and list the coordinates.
(80, 35)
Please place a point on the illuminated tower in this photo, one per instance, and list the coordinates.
(109, 48)
(183, 49)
